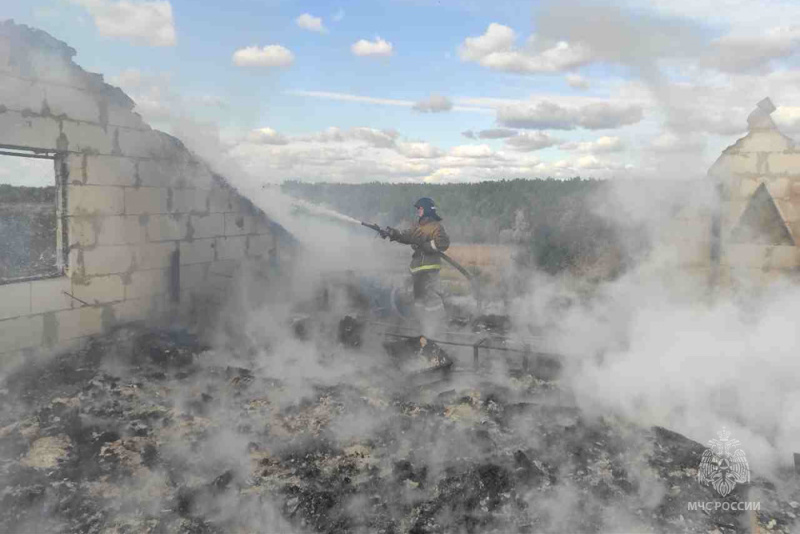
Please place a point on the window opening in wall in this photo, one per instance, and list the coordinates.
(761, 223)
(30, 230)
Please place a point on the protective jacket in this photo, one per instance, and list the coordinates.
(426, 238)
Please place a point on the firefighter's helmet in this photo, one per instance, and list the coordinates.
(428, 207)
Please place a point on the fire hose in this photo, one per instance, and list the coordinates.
(473, 281)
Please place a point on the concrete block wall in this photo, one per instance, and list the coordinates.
(150, 230)
(764, 156)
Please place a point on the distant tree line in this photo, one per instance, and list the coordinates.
(552, 221)
(14, 194)
(27, 232)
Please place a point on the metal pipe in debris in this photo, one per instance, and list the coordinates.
(480, 343)
(547, 363)
(522, 341)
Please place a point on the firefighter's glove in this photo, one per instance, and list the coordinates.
(392, 233)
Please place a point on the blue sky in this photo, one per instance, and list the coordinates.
(333, 91)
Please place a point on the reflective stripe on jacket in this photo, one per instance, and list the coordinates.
(428, 237)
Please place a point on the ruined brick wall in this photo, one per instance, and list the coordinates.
(148, 229)
(740, 228)
(759, 173)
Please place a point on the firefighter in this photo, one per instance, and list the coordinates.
(427, 238)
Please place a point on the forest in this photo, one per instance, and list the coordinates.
(16, 194)
(554, 223)
(27, 232)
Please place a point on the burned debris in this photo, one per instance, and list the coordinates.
(146, 430)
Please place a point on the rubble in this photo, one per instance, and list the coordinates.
(146, 431)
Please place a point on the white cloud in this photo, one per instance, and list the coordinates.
(147, 23)
(333, 154)
(378, 47)
(418, 150)
(372, 136)
(364, 154)
(543, 116)
(496, 38)
(695, 82)
(531, 141)
(346, 97)
(310, 23)
(159, 104)
(752, 53)
(622, 94)
(603, 116)
(589, 166)
(577, 82)
(267, 56)
(787, 119)
(635, 37)
(495, 50)
(471, 151)
(444, 175)
(561, 164)
(549, 116)
(434, 104)
(727, 13)
(153, 95)
(600, 146)
(267, 136)
(589, 162)
(496, 133)
(690, 68)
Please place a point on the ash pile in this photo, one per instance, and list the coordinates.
(333, 426)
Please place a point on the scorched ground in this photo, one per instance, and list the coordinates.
(145, 430)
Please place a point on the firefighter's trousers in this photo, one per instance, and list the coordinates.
(429, 301)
